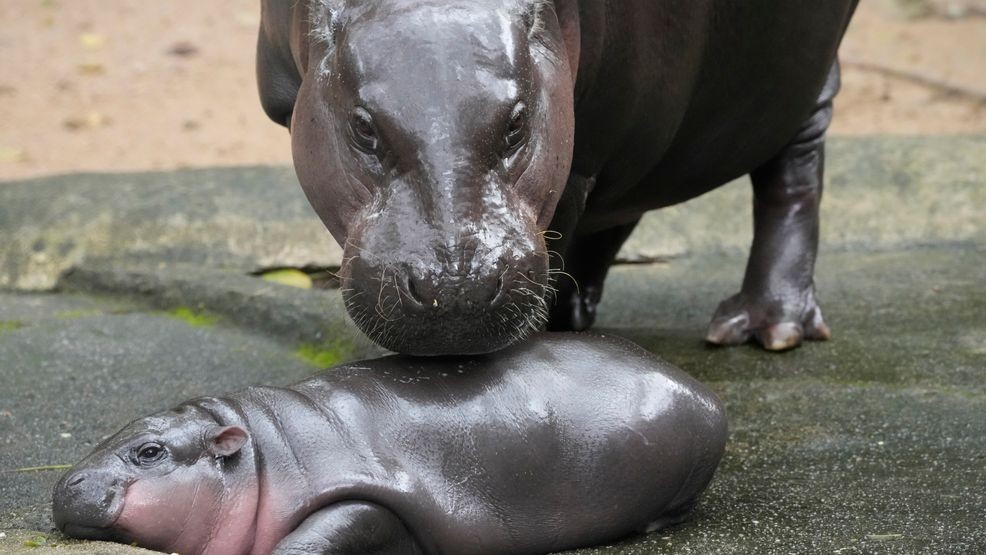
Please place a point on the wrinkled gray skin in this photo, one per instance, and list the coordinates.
(439, 140)
(554, 443)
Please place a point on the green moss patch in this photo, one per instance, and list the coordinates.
(193, 318)
(10, 325)
(39, 541)
(325, 355)
(73, 314)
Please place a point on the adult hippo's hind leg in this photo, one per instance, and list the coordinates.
(777, 305)
(350, 528)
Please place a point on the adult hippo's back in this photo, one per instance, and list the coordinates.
(440, 141)
(555, 443)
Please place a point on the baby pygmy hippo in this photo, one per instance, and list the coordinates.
(561, 442)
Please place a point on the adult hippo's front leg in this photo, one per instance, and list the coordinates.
(777, 305)
(579, 285)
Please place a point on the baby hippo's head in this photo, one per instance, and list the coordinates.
(162, 482)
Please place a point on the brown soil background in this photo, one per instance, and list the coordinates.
(119, 85)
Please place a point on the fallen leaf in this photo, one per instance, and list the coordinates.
(92, 68)
(95, 119)
(92, 41)
(247, 19)
(183, 49)
(12, 154)
(92, 120)
(290, 277)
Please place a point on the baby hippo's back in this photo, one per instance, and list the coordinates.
(564, 441)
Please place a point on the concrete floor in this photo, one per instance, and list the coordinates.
(874, 442)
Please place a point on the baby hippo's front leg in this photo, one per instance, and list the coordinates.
(350, 528)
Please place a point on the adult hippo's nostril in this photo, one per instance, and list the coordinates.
(499, 297)
(440, 291)
(411, 290)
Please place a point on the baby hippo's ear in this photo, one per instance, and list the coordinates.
(223, 441)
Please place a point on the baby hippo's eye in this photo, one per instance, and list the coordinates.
(150, 453)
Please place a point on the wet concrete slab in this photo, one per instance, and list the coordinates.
(122, 295)
(874, 442)
(251, 218)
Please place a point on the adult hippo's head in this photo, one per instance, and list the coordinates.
(434, 140)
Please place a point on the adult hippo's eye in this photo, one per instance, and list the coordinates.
(149, 453)
(517, 131)
(364, 134)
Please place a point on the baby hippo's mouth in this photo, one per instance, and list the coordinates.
(87, 503)
(83, 532)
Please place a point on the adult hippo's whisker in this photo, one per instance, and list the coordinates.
(550, 253)
(343, 264)
(552, 276)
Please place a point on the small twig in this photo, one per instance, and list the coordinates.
(39, 468)
(641, 260)
(945, 87)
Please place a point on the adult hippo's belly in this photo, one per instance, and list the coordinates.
(559, 442)
(464, 153)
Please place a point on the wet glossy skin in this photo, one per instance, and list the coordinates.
(558, 442)
(438, 140)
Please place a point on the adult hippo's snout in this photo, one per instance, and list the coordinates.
(436, 312)
(422, 290)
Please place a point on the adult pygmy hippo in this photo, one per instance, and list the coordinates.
(438, 141)
(555, 443)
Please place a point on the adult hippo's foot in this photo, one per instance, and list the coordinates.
(778, 325)
(777, 305)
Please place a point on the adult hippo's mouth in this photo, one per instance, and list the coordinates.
(486, 302)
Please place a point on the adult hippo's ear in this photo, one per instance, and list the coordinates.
(223, 441)
(537, 15)
(278, 75)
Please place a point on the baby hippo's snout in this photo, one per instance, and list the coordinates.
(473, 306)
(87, 502)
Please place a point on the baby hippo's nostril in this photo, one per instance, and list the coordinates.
(76, 481)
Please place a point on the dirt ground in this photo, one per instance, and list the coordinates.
(117, 85)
